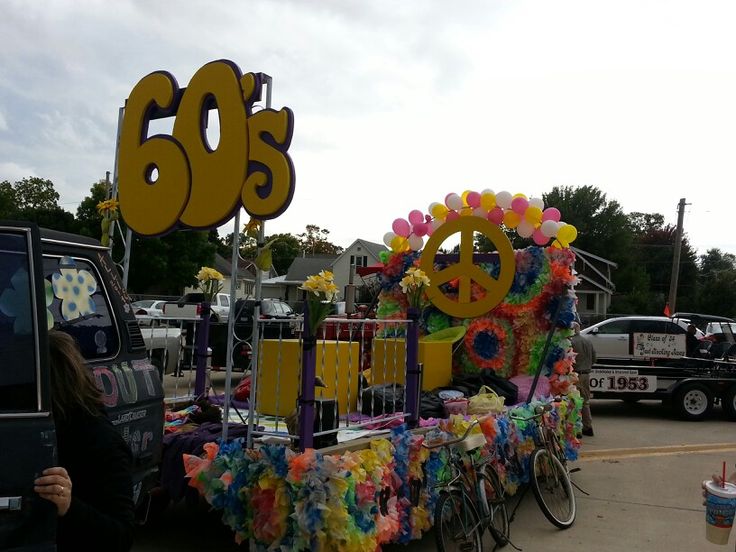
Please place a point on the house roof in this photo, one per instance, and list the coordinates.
(582, 253)
(372, 248)
(302, 267)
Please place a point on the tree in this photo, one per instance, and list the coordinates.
(717, 289)
(36, 200)
(284, 250)
(35, 193)
(88, 219)
(314, 241)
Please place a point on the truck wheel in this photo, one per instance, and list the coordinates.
(729, 403)
(693, 401)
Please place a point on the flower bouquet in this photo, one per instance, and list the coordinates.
(108, 210)
(322, 295)
(413, 284)
(209, 281)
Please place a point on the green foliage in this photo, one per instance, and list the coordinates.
(314, 240)
(88, 218)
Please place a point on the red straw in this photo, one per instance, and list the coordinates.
(723, 481)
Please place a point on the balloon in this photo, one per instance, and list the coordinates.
(503, 200)
(549, 228)
(487, 191)
(388, 237)
(519, 205)
(567, 233)
(511, 219)
(464, 197)
(415, 242)
(452, 215)
(420, 229)
(466, 211)
(525, 229)
(398, 244)
(438, 210)
(430, 227)
(533, 214)
(495, 215)
(480, 212)
(551, 213)
(416, 217)
(537, 202)
(401, 227)
(539, 238)
(474, 199)
(436, 223)
(488, 200)
(454, 202)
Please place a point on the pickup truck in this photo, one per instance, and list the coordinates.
(219, 306)
(110, 339)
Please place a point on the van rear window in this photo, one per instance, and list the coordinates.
(81, 307)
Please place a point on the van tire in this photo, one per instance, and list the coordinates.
(693, 401)
(729, 403)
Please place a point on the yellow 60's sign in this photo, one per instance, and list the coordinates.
(174, 180)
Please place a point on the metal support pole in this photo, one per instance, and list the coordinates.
(231, 325)
(676, 256)
(412, 371)
(203, 337)
(550, 334)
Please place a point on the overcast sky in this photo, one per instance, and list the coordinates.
(399, 103)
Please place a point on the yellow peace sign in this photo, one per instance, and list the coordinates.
(466, 270)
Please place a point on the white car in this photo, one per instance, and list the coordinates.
(147, 310)
(621, 338)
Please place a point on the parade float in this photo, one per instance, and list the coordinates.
(512, 309)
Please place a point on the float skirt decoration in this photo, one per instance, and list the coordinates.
(362, 499)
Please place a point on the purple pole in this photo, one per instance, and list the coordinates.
(203, 337)
(412, 368)
(306, 398)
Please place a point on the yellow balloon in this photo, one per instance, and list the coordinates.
(488, 201)
(533, 215)
(399, 243)
(439, 211)
(464, 196)
(567, 233)
(466, 211)
(573, 233)
(518, 195)
(511, 219)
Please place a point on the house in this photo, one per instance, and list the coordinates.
(596, 286)
(359, 253)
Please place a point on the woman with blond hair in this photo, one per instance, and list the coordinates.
(91, 486)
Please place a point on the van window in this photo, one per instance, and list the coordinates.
(615, 327)
(19, 391)
(80, 306)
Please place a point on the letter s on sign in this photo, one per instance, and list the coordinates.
(151, 207)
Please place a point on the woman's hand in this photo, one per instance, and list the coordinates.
(56, 486)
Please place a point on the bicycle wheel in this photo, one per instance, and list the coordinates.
(456, 523)
(498, 522)
(552, 488)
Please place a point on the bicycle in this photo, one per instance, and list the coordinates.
(456, 515)
(549, 475)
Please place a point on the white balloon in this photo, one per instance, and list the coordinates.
(388, 237)
(436, 223)
(525, 229)
(549, 228)
(432, 206)
(503, 200)
(415, 242)
(536, 202)
(454, 201)
(486, 191)
(480, 212)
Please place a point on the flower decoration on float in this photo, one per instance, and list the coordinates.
(528, 216)
(413, 284)
(321, 297)
(209, 282)
(108, 210)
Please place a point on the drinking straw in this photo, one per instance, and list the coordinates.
(723, 480)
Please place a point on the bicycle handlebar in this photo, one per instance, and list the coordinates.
(452, 441)
(538, 412)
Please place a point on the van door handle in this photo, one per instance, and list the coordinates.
(11, 503)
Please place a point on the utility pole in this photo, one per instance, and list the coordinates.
(676, 256)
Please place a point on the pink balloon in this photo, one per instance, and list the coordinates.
(519, 205)
(473, 199)
(416, 217)
(551, 213)
(539, 238)
(420, 229)
(495, 215)
(430, 228)
(452, 215)
(401, 228)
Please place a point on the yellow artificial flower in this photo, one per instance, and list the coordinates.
(108, 206)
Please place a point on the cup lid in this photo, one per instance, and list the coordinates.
(729, 491)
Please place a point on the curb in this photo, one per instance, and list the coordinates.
(604, 454)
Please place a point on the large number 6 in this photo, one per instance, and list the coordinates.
(152, 203)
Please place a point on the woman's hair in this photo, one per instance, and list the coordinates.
(72, 386)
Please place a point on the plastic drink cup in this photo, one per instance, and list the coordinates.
(720, 506)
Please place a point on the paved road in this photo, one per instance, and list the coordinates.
(642, 471)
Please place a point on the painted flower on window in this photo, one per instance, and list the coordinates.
(74, 288)
(15, 302)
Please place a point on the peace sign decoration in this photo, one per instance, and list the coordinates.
(466, 271)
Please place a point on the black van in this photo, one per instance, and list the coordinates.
(67, 282)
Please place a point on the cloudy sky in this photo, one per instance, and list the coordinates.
(399, 103)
